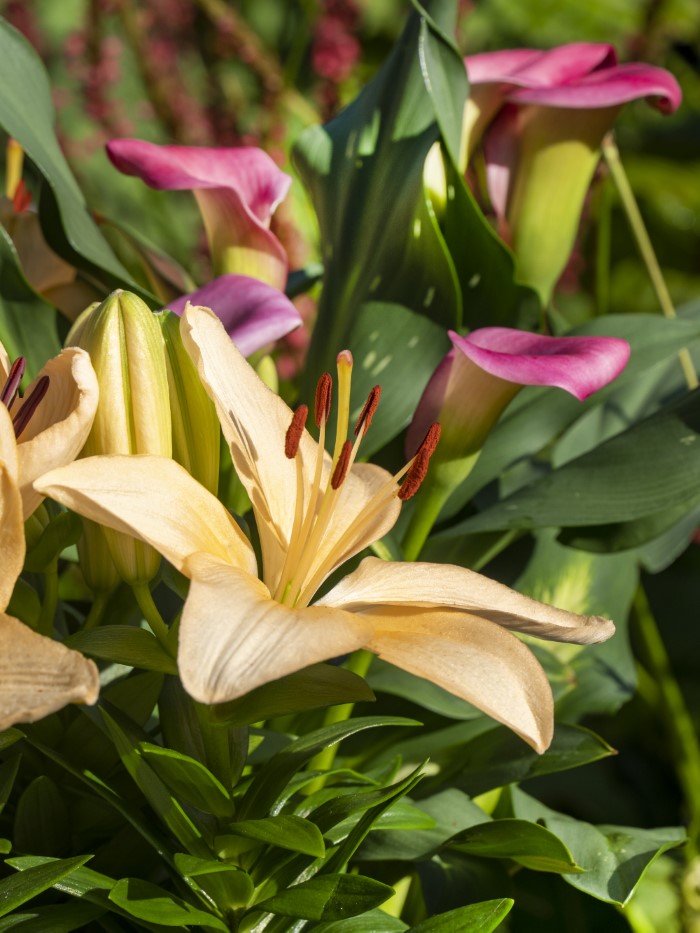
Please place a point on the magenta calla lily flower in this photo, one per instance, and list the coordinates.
(541, 117)
(237, 191)
(254, 314)
(485, 371)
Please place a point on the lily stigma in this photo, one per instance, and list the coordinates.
(314, 512)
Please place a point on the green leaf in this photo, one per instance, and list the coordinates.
(189, 780)
(315, 687)
(9, 737)
(27, 322)
(386, 678)
(8, 773)
(42, 824)
(57, 918)
(62, 530)
(27, 114)
(5, 846)
(328, 897)
(285, 831)
(21, 888)
(527, 843)
(614, 857)
(476, 918)
(364, 171)
(274, 776)
(124, 644)
(229, 885)
(616, 482)
(147, 901)
(373, 921)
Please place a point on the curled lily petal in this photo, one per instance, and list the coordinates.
(537, 68)
(252, 312)
(59, 427)
(377, 584)
(474, 659)
(12, 547)
(38, 675)
(224, 654)
(154, 499)
(237, 191)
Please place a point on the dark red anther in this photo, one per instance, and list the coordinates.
(367, 413)
(30, 403)
(341, 467)
(21, 198)
(294, 431)
(14, 377)
(322, 404)
(419, 468)
(430, 441)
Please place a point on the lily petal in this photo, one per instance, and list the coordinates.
(252, 312)
(38, 675)
(234, 637)
(377, 584)
(61, 423)
(533, 68)
(12, 547)
(474, 659)
(237, 191)
(154, 499)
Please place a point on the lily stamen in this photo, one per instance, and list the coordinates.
(14, 377)
(30, 403)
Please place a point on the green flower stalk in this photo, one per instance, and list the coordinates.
(125, 344)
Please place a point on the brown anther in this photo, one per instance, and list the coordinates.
(14, 377)
(367, 413)
(322, 404)
(430, 441)
(21, 199)
(294, 431)
(341, 467)
(414, 477)
(29, 405)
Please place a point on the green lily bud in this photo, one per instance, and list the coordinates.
(194, 421)
(125, 345)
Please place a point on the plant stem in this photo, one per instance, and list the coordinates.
(94, 616)
(151, 615)
(429, 503)
(674, 711)
(629, 203)
(48, 606)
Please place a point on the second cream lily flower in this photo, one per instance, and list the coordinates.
(441, 622)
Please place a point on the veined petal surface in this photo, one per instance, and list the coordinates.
(12, 547)
(154, 499)
(377, 584)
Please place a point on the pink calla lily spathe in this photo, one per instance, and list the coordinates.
(313, 512)
(486, 369)
(253, 313)
(237, 190)
(541, 117)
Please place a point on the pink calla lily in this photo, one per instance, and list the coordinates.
(541, 117)
(237, 191)
(254, 314)
(485, 370)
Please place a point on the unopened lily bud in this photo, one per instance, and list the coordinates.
(125, 344)
(194, 422)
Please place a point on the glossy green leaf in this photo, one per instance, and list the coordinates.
(286, 831)
(273, 777)
(364, 171)
(228, 884)
(188, 779)
(386, 678)
(57, 918)
(18, 889)
(147, 901)
(124, 644)
(62, 530)
(8, 773)
(373, 921)
(312, 688)
(27, 114)
(614, 857)
(475, 918)
(5, 846)
(27, 322)
(328, 897)
(42, 822)
(527, 843)
(9, 737)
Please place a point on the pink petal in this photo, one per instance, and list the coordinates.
(253, 313)
(533, 68)
(580, 365)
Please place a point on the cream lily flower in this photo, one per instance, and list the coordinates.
(37, 675)
(314, 512)
(53, 418)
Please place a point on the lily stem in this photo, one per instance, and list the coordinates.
(150, 612)
(48, 606)
(94, 616)
(675, 715)
(639, 230)
(359, 663)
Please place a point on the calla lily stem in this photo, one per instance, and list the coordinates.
(429, 503)
(629, 203)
